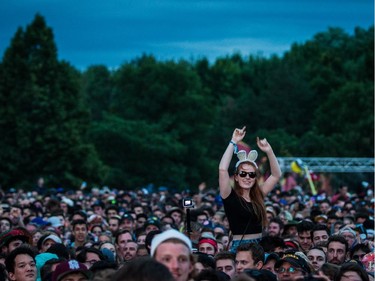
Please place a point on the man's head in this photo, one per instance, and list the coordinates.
(317, 257)
(127, 222)
(142, 251)
(138, 209)
(168, 220)
(207, 245)
(332, 218)
(319, 233)
(225, 262)
(201, 217)
(130, 250)
(111, 211)
(270, 261)
(275, 227)
(15, 213)
(66, 205)
(290, 229)
(291, 266)
(121, 239)
(114, 223)
(349, 235)
(71, 270)
(21, 265)
(80, 231)
(99, 208)
(270, 213)
(249, 256)
(359, 251)
(174, 250)
(5, 224)
(337, 249)
(89, 256)
(352, 271)
(151, 224)
(177, 214)
(140, 220)
(49, 241)
(202, 262)
(324, 206)
(304, 234)
(14, 238)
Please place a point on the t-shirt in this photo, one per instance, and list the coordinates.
(239, 214)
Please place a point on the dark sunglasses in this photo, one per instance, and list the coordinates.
(243, 174)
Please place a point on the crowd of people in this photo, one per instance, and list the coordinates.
(233, 232)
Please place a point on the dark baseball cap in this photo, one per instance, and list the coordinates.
(127, 216)
(271, 256)
(295, 260)
(152, 221)
(67, 267)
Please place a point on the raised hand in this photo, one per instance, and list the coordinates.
(264, 145)
(239, 134)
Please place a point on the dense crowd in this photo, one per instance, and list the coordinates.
(106, 233)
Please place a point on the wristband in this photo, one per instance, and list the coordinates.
(235, 146)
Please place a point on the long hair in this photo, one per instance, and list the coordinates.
(255, 194)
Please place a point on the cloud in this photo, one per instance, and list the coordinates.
(222, 47)
(108, 32)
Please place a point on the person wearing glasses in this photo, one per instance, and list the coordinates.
(292, 266)
(244, 203)
(89, 256)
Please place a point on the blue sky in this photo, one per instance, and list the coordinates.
(110, 32)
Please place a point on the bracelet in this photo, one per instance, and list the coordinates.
(235, 146)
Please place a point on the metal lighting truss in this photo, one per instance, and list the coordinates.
(330, 165)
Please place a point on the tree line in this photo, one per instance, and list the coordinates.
(168, 122)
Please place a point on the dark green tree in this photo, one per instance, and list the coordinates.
(43, 120)
(347, 117)
(97, 88)
(162, 115)
(168, 122)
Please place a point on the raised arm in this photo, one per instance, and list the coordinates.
(224, 182)
(273, 179)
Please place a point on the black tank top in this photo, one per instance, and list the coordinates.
(239, 215)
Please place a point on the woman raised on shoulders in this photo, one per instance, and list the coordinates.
(244, 203)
